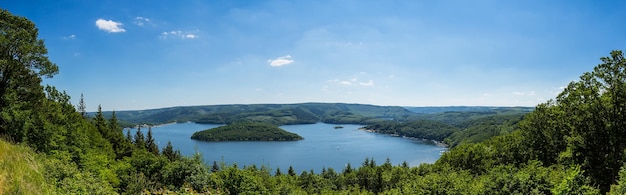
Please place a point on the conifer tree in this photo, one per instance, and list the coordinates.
(215, 167)
(140, 140)
(291, 171)
(278, 172)
(150, 143)
(81, 107)
(170, 153)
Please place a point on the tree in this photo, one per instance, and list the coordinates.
(278, 172)
(23, 63)
(122, 146)
(81, 107)
(290, 171)
(151, 144)
(595, 109)
(140, 141)
(169, 152)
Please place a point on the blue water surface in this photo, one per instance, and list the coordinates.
(323, 147)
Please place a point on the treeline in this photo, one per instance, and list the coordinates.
(246, 131)
(456, 128)
(426, 129)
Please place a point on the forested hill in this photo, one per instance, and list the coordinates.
(306, 113)
(278, 114)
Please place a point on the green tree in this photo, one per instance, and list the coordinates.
(81, 107)
(140, 140)
(121, 145)
(594, 107)
(23, 63)
(151, 144)
(169, 152)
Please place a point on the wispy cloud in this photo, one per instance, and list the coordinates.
(70, 37)
(368, 83)
(530, 93)
(179, 34)
(109, 26)
(281, 61)
(140, 21)
(345, 82)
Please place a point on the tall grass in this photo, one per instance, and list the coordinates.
(20, 170)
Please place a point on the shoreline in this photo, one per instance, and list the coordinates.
(437, 143)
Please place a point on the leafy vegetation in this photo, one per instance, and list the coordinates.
(246, 131)
(572, 145)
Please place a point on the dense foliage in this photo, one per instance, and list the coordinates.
(572, 145)
(432, 130)
(246, 131)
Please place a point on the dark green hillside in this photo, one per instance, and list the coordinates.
(246, 131)
(432, 130)
(461, 117)
(481, 129)
(278, 114)
(442, 109)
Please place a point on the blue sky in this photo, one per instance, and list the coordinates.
(129, 55)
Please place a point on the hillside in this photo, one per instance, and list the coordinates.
(246, 131)
(20, 170)
(277, 114)
(308, 113)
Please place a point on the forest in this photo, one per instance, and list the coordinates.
(573, 144)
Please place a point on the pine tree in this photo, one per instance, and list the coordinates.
(81, 107)
(101, 124)
(291, 171)
(140, 140)
(122, 146)
(150, 143)
(170, 153)
(278, 172)
(215, 167)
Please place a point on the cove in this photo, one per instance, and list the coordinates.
(323, 146)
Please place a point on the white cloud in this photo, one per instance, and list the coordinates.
(368, 83)
(179, 34)
(140, 21)
(70, 37)
(345, 83)
(281, 61)
(530, 93)
(109, 26)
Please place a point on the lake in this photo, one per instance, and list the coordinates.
(323, 146)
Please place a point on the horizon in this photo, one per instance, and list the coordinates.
(143, 55)
(103, 110)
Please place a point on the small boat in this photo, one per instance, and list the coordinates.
(338, 127)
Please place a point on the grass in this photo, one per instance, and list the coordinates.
(20, 170)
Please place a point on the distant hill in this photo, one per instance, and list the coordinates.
(246, 131)
(277, 114)
(443, 109)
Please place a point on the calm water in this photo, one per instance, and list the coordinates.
(323, 146)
